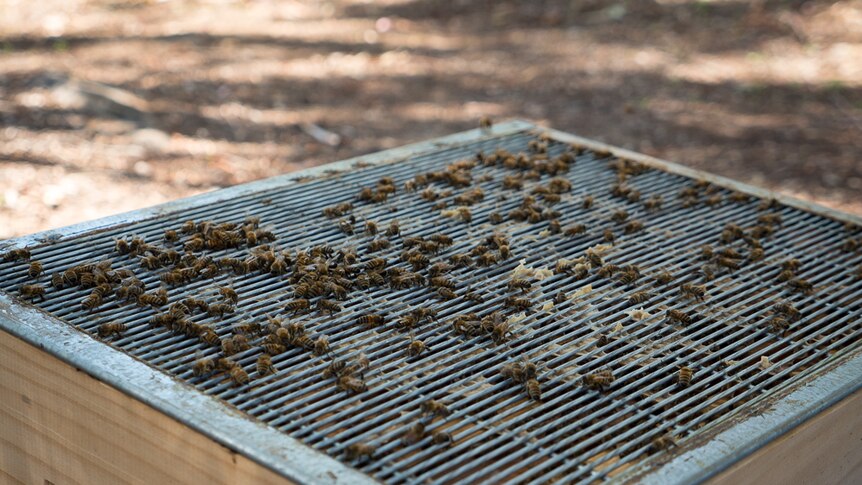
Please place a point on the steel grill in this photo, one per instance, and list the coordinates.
(573, 434)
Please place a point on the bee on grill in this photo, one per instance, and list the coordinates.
(679, 316)
(394, 229)
(599, 380)
(594, 259)
(91, 302)
(575, 230)
(785, 275)
(653, 203)
(57, 280)
(446, 293)
(279, 266)
(495, 218)
(350, 384)
(345, 226)
(638, 297)
(273, 348)
(16, 255)
(505, 251)
(465, 214)
(210, 337)
(663, 278)
(442, 282)
(778, 325)
(371, 320)
(791, 265)
(171, 236)
(620, 216)
(195, 244)
(770, 219)
(370, 228)
(756, 254)
(219, 309)
(150, 262)
(727, 263)
(357, 451)
(520, 284)
(738, 197)
(788, 310)
(698, 292)
(378, 245)
(713, 200)
(518, 303)
(552, 199)
(849, 245)
(434, 408)
(414, 434)
(111, 328)
(249, 328)
(501, 332)
(238, 376)
(203, 367)
(328, 306)
(587, 202)
(442, 239)
(534, 392)
(801, 285)
(729, 253)
(264, 365)
(706, 252)
(229, 294)
(486, 259)
(438, 269)
(461, 260)
(632, 227)
(35, 269)
(297, 305)
(233, 345)
(683, 377)
(662, 443)
(321, 346)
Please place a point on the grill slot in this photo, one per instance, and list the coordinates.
(573, 434)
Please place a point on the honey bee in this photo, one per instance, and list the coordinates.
(801, 285)
(520, 284)
(678, 316)
(788, 310)
(446, 293)
(653, 203)
(229, 294)
(359, 450)
(639, 297)
(157, 299)
(442, 438)
(238, 376)
(770, 219)
(91, 302)
(698, 292)
(219, 309)
(599, 381)
(371, 320)
(264, 365)
(414, 434)
(727, 263)
(111, 328)
(203, 367)
(756, 254)
(461, 260)
(587, 202)
(684, 376)
(778, 325)
(595, 260)
(209, 337)
(394, 229)
(632, 227)
(663, 278)
(575, 230)
(435, 408)
(321, 346)
(415, 348)
(620, 216)
(351, 384)
(465, 215)
(233, 345)
(534, 392)
(297, 305)
(785, 275)
(442, 282)
(662, 443)
(791, 264)
(35, 269)
(16, 255)
(518, 303)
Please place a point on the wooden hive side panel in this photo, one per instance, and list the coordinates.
(60, 425)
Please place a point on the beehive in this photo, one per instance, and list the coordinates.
(757, 370)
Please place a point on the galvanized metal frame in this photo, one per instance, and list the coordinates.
(829, 384)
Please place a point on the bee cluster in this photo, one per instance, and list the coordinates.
(192, 280)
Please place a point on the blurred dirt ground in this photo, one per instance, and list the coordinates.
(112, 105)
